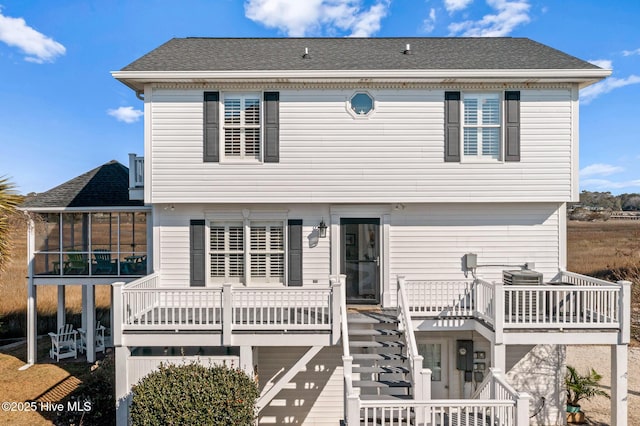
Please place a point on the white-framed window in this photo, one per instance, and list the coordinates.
(226, 252)
(241, 129)
(267, 252)
(247, 252)
(481, 126)
(361, 105)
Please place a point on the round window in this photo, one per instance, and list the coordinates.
(361, 103)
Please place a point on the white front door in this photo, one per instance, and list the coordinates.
(435, 357)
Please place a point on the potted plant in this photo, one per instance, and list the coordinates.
(580, 387)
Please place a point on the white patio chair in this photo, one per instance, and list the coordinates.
(99, 336)
(64, 343)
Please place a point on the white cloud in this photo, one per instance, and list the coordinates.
(126, 114)
(509, 15)
(300, 18)
(590, 93)
(600, 169)
(602, 63)
(38, 48)
(429, 24)
(631, 52)
(607, 185)
(455, 5)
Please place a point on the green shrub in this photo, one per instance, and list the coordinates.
(192, 394)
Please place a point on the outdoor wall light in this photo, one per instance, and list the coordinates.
(322, 229)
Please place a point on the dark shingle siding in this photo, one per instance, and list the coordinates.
(105, 186)
(256, 54)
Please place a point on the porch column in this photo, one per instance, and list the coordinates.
(619, 383)
(62, 317)
(91, 322)
(122, 385)
(32, 322)
(32, 313)
(246, 360)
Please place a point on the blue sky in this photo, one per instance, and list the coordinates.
(62, 114)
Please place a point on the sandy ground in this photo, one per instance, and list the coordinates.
(598, 410)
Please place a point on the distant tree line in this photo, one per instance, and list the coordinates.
(608, 201)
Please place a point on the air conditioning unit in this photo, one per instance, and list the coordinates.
(522, 277)
(522, 306)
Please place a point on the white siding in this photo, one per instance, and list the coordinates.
(313, 397)
(429, 241)
(326, 155)
(426, 241)
(173, 236)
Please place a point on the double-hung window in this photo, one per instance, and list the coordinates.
(481, 128)
(242, 126)
(247, 252)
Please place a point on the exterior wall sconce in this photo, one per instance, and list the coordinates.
(322, 229)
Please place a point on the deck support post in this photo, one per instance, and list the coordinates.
(619, 382)
(122, 386)
(246, 360)
(61, 313)
(32, 293)
(91, 323)
(499, 358)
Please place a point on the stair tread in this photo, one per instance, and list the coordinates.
(381, 384)
(384, 397)
(375, 344)
(381, 369)
(379, 357)
(374, 332)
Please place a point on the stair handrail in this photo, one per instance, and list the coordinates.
(415, 359)
(351, 410)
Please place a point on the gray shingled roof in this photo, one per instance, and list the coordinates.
(104, 186)
(255, 54)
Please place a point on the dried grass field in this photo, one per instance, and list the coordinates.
(13, 293)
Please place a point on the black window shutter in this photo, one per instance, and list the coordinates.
(452, 126)
(212, 127)
(294, 259)
(197, 253)
(512, 126)
(271, 127)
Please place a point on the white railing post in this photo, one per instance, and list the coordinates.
(523, 399)
(227, 310)
(498, 311)
(132, 170)
(336, 316)
(118, 314)
(624, 311)
(353, 409)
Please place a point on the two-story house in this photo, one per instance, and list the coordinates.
(375, 228)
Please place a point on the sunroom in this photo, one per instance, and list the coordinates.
(84, 232)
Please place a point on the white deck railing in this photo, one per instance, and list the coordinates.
(440, 298)
(571, 301)
(445, 412)
(145, 305)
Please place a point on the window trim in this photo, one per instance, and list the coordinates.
(479, 158)
(361, 116)
(242, 159)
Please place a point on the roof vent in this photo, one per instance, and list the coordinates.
(306, 53)
(407, 50)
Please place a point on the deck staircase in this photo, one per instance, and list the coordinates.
(380, 365)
